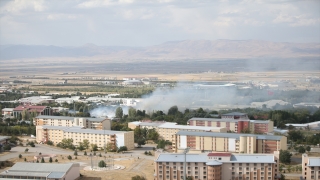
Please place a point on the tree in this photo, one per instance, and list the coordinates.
(102, 164)
(137, 177)
(285, 156)
(50, 143)
(25, 159)
(301, 149)
(122, 148)
(94, 147)
(42, 160)
(282, 177)
(308, 148)
(81, 147)
(173, 110)
(119, 112)
(85, 153)
(86, 143)
(153, 135)
(26, 150)
(20, 156)
(75, 153)
(7, 147)
(50, 159)
(69, 157)
(132, 112)
(56, 160)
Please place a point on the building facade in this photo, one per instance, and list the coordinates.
(87, 122)
(39, 110)
(310, 167)
(217, 166)
(167, 130)
(227, 142)
(235, 125)
(99, 137)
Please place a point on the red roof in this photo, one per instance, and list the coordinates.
(28, 107)
(219, 154)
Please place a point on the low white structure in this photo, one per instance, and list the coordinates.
(312, 125)
(304, 104)
(68, 100)
(22, 170)
(36, 100)
(269, 104)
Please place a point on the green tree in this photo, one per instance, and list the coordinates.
(69, 157)
(137, 177)
(85, 153)
(75, 153)
(50, 143)
(301, 149)
(132, 112)
(94, 147)
(173, 110)
(7, 147)
(42, 160)
(86, 143)
(102, 164)
(50, 159)
(26, 150)
(122, 148)
(56, 160)
(152, 135)
(285, 156)
(119, 112)
(308, 148)
(20, 156)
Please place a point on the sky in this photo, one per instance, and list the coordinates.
(151, 22)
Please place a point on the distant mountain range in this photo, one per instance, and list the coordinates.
(188, 49)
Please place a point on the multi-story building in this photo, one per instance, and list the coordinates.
(310, 167)
(228, 142)
(235, 125)
(40, 110)
(87, 122)
(167, 130)
(23, 170)
(78, 134)
(217, 166)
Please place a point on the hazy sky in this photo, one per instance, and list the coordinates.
(151, 22)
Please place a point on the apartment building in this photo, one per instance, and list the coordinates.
(310, 167)
(167, 130)
(234, 125)
(217, 166)
(23, 170)
(87, 122)
(227, 142)
(78, 134)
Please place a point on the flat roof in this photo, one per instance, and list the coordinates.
(78, 129)
(252, 158)
(180, 158)
(174, 126)
(38, 169)
(234, 114)
(69, 118)
(214, 119)
(229, 135)
(314, 161)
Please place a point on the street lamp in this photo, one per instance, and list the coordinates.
(186, 150)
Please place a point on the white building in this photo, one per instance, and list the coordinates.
(47, 171)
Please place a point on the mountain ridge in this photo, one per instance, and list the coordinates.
(185, 49)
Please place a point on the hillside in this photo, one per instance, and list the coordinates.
(188, 49)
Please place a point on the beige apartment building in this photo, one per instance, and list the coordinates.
(78, 134)
(234, 125)
(66, 121)
(227, 142)
(167, 130)
(310, 167)
(217, 166)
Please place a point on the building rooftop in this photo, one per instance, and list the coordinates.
(229, 135)
(219, 154)
(260, 121)
(214, 119)
(69, 118)
(29, 107)
(314, 161)
(252, 158)
(234, 114)
(39, 169)
(174, 126)
(7, 109)
(180, 158)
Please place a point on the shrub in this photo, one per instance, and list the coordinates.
(102, 164)
(20, 156)
(69, 157)
(50, 160)
(85, 153)
(56, 160)
(26, 150)
(42, 160)
(25, 159)
(75, 153)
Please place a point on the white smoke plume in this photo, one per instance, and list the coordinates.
(107, 111)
